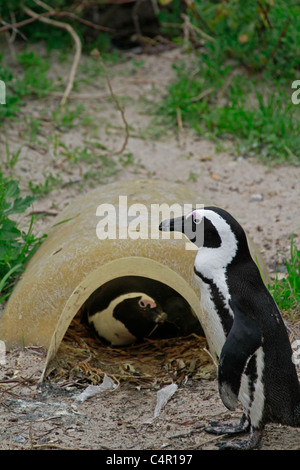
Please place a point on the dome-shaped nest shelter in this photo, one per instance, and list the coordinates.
(110, 233)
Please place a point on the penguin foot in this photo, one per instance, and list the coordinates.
(222, 427)
(239, 444)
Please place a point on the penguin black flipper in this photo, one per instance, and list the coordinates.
(242, 342)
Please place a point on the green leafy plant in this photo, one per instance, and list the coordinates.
(33, 81)
(286, 291)
(237, 84)
(67, 118)
(11, 157)
(219, 103)
(12, 105)
(261, 36)
(16, 245)
(41, 189)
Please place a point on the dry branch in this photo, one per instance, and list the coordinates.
(47, 14)
(72, 32)
(189, 29)
(95, 53)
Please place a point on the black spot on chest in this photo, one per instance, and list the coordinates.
(219, 301)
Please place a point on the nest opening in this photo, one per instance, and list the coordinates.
(177, 349)
(170, 316)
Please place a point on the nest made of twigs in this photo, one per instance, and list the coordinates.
(83, 359)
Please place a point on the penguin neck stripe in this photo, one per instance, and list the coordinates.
(220, 299)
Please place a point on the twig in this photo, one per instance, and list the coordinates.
(191, 7)
(212, 358)
(202, 95)
(53, 214)
(11, 38)
(265, 14)
(135, 18)
(291, 154)
(201, 443)
(179, 119)
(47, 14)
(77, 56)
(95, 53)
(55, 446)
(43, 5)
(189, 25)
(283, 33)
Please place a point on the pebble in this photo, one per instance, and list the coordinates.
(256, 197)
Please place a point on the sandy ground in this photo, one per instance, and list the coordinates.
(266, 202)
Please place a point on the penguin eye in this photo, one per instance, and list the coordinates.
(142, 304)
(196, 219)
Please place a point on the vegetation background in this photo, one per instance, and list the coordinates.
(234, 81)
(199, 92)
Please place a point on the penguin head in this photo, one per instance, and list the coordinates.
(138, 308)
(214, 231)
(127, 318)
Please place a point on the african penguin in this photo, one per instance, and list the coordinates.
(127, 318)
(130, 308)
(245, 327)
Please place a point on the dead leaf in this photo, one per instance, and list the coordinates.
(243, 38)
(205, 158)
(215, 176)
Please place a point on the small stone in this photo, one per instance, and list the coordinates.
(256, 197)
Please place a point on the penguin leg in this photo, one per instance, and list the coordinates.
(223, 427)
(239, 444)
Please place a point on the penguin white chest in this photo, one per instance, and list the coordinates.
(210, 269)
(211, 321)
(111, 329)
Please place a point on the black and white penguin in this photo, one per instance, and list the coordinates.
(244, 325)
(127, 318)
(131, 308)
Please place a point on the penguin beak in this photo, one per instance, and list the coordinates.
(172, 225)
(156, 314)
(150, 303)
(186, 225)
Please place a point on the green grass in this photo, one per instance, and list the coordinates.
(50, 183)
(286, 291)
(31, 82)
(260, 120)
(35, 80)
(236, 85)
(68, 117)
(16, 245)
(11, 157)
